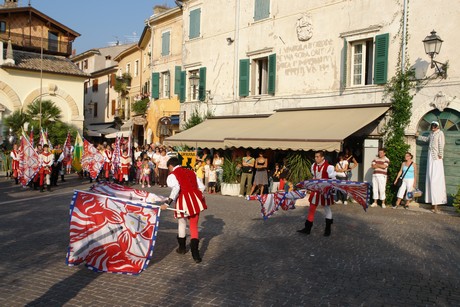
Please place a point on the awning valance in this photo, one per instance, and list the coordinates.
(296, 129)
(118, 133)
(212, 132)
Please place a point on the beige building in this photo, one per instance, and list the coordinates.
(100, 102)
(166, 59)
(34, 64)
(317, 70)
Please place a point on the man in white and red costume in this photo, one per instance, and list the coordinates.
(15, 157)
(47, 159)
(187, 193)
(125, 165)
(107, 161)
(320, 170)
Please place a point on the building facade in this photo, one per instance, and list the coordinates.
(266, 57)
(34, 64)
(166, 61)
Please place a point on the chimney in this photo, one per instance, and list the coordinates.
(108, 61)
(9, 54)
(11, 3)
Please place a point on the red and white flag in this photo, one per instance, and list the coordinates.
(92, 160)
(110, 234)
(29, 163)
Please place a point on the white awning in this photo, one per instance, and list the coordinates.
(118, 133)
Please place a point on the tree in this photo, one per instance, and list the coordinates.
(50, 114)
(196, 119)
(16, 122)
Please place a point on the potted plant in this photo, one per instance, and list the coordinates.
(231, 177)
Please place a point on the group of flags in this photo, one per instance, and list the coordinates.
(83, 155)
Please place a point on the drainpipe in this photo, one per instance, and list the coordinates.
(403, 53)
(236, 42)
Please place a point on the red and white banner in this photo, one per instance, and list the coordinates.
(29, 163)
(92, 160)
(110, 234)
(120, 191)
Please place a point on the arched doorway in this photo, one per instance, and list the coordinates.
(449, 120)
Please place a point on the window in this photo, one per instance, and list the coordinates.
(361, 62)
(261, 76)
(165, 84)
(95, 109)
(368, 61)
(113, 80)
(114, 107)
(85, 88)
(53, 41)
(165, 43)
(261, 9)
(128, 68)
(195, 22)
(95, 85)
(136, 68)
(85, 64)
(2, 27)
(155, 85)
(194, 79)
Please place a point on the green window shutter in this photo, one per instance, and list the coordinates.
(202, 85)
(344, 63)
(261, 9)
(244, 78)
(381, 58)
(272, 73)
(165, 41)
(155, 85)
(195, 20)
(177, 72)
(182, 86)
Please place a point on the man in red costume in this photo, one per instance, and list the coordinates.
(107, 162)
(45, 171)
(320, 170)
(187, 192)
(15, 162)
(125, 165)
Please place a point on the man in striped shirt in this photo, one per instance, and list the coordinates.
(379, 177)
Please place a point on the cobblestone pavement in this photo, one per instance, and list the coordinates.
(380, 257)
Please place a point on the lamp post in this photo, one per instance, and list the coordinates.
(432, 44)
(194, 82)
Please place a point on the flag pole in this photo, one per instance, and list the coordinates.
(129, 200)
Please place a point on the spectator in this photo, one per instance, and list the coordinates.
(379, 177)
(218, 163)
(261, 178)
(341, 169)
(407, 171)
(163, 168)
(247, 174)
(275, 178)
(352, 163)
(212, 180)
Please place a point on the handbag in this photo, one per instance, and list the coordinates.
(398, 183)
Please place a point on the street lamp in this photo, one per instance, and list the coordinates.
(432, 44)
(194, 79)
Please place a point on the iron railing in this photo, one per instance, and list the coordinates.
(34, 43)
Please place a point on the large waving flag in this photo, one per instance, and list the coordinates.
(29, 163)
(92, 160)
(359, 191)
(77, 153)
(110, 234)
(127, 193)
(270, 203)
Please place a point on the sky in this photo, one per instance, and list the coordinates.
(99, 22)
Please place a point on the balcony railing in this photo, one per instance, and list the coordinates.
(34, 43)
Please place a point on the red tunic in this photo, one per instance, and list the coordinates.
(320, 172)
(190, 198)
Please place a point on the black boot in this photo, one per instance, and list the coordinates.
(62, 178)
(327, 230)
(307, 228)
(194, 248)
(42, 189)
(181, 249)
(35, 186)
(16, 180)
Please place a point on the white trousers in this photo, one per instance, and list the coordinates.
(406, 186)
(379, 182)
